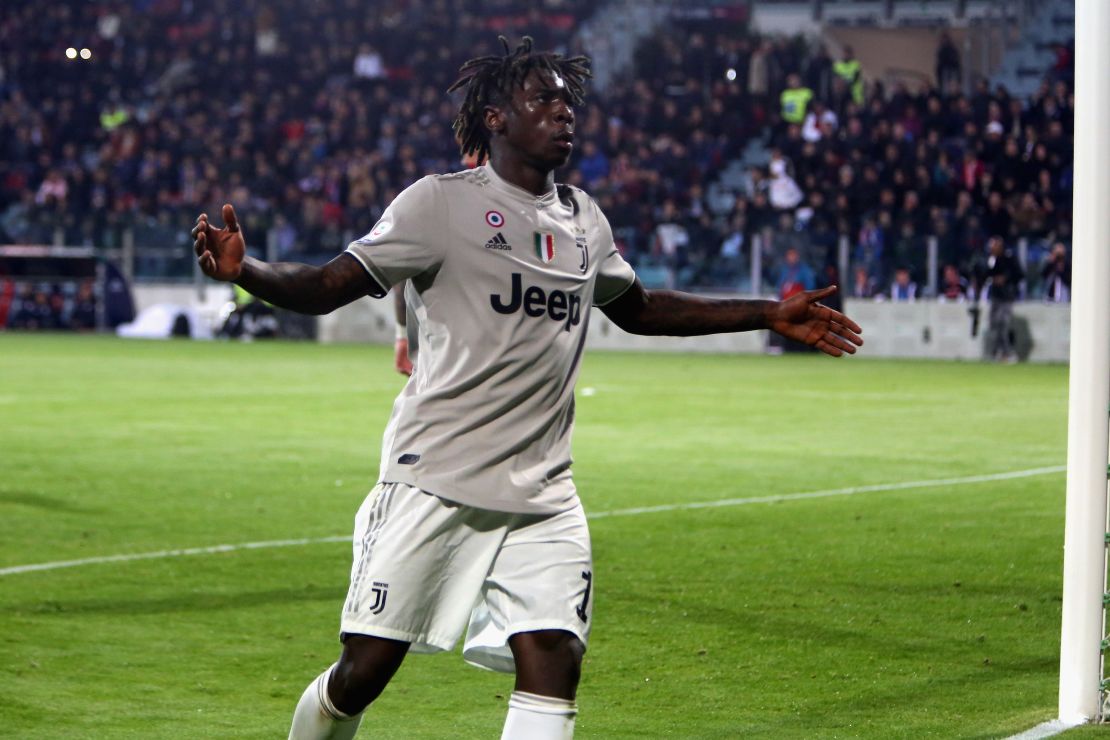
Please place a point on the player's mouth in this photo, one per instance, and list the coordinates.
(565, 140)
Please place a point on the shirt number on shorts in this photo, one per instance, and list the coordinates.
(581, 608)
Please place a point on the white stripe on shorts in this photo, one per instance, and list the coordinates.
(374, 525)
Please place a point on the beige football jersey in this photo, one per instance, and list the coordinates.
(501, 282)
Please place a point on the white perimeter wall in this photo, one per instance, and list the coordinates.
(207, 300)
(922, 330)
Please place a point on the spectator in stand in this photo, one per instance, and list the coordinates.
(903, 289)
(863, 284)
(759, 74)
(995, 136)
(760, 213)
(1009, 165)
(53, 190)
(21, 307)
(934, 119)
(1027, 215)
(784, 193)
(82, 317)
(368, 63)
(973, 171)
(7, 298)
(820, 123)
(1000, 276)
(59, 308)
(732, 252)
(954, 287)
(795, 101)
(996, 218)
(908, 250)
(1064, 67)
(594, 165)
(794, 275)
(870, 248)
(670, 241)
(830, 275)
(948, 65)
(34, 310)
(850, 71)
(819, 73)
(1056, 275)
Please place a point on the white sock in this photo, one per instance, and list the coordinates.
(316, 718)
(535, 717)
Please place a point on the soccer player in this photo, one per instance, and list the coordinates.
(475, 520)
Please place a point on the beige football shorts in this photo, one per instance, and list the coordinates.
(425, 567)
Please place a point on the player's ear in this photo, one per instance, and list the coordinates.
(494, 119)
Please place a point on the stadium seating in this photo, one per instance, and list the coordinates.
(311, 117)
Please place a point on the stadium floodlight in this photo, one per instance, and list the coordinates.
(1082, 619)
(86, 54)
(71, 53)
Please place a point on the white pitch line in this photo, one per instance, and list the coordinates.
(1045, 729)
(850, 491)
(55, 565)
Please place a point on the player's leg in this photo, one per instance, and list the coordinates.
(535, 619)
(548, 666)
(548, 662)
(332, 705)
(365, 667)
(404, 540)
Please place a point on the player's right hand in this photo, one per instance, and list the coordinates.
(219, 252)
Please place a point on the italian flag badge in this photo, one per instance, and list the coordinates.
(545, 245)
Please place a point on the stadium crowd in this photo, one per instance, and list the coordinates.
(887, 169)
(311, 117)
(897, 168)
(47, 307)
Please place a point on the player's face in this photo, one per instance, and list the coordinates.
(539, 121)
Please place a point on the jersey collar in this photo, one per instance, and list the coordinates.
(518, 193)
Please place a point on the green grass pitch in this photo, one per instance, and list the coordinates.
(912, 612)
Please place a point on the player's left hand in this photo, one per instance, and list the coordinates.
(401, 361)
(802, 318)
(220, 252)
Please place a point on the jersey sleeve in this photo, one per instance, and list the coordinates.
(614, 275)
(407, 240)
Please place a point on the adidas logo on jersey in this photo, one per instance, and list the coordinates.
(498, 242)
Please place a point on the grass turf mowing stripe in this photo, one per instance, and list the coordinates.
(849, 491)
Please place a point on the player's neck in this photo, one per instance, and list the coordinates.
(516, 172)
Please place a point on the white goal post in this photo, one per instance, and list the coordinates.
(1081, 631)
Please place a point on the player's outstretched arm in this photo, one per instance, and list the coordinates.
(800, 317)
(221, 254)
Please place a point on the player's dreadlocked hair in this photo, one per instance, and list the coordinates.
(489, 80)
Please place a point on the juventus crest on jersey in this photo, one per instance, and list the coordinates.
(501, 282)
